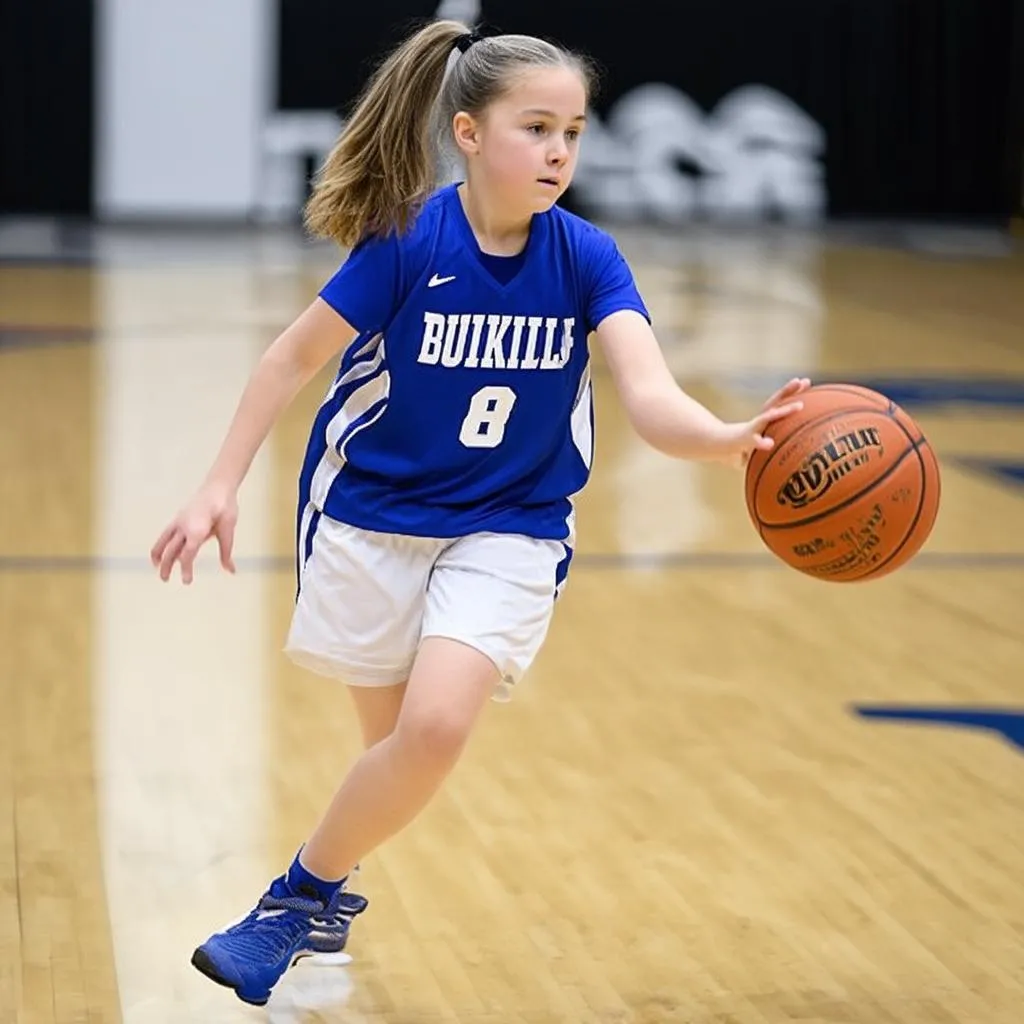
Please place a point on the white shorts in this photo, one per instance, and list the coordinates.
(367, 599)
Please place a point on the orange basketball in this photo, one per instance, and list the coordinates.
(851, 489)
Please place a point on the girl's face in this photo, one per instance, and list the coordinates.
(525, 144)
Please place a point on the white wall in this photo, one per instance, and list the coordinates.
(183, 87)
(186, 128)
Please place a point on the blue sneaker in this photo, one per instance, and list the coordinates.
(250, 955)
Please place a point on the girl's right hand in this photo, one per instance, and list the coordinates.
(212, 512)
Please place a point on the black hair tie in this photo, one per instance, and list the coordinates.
(466, 40)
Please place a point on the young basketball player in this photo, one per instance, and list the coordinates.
(435, 520)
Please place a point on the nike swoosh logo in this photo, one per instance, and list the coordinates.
(435, 281)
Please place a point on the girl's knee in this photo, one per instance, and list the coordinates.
(435, 734)
(449, 688)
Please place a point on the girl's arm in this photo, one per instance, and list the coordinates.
(663, 414)
(287, 366)
(293, 359)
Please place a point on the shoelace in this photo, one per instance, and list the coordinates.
(338, 913)
(269, 938)
(327, 923)
(349, 903)
(297, 903)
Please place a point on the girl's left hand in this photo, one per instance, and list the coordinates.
(737, 441)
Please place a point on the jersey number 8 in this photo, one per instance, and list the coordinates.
(489, 410)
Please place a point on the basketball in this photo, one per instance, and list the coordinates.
(850, 491)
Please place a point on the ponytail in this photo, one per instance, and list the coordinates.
(382, 167)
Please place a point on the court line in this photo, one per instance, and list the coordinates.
(908, 387)
(911, 389)
(731, 560)
(20, 337)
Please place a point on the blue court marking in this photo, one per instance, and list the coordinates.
(1008, 723)
(916, 390)
(25, 336)
(54, 262)
(730, 560)
(19, 337)
(1004, 471)
(910, 389)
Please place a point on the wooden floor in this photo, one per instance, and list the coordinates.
(682, 817)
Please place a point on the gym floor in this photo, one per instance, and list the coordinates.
(725, 792)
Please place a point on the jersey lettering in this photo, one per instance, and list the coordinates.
(489, 341)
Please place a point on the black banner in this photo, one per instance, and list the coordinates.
(46, 106)
(1014, 165)
(722, 108)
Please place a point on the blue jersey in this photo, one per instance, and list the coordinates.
(464, 404)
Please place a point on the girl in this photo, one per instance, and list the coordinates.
(435, 521)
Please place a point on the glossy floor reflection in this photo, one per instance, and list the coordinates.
(680, 817)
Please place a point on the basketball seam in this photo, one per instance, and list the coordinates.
(922, 441)
(847, 501)
(779, 442)
(822, 387)
(821, 515)
(916, 448)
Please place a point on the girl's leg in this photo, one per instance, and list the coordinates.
(377, 708)
(394, 780)
(483, 593)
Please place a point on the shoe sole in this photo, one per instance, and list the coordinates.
(202, 963)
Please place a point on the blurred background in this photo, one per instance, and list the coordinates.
(727, 792)
(791, 110)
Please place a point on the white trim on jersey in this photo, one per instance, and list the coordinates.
(582, 429)
(357, 371)
(583, 437)
(569, 544)
(368, 345)
(339, 431)
(307, 517)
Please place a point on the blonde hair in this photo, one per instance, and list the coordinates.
(384, 164)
